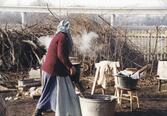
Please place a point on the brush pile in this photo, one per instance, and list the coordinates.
(19, 51)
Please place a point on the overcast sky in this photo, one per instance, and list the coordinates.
(91, 3)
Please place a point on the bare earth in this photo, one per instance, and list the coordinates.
(152, 103)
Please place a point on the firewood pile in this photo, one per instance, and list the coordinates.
(20, 51)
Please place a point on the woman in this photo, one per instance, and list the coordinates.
(58, 92)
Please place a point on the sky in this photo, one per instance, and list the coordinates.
(91, 3)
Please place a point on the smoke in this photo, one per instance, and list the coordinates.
(86, 43)
(45, 40)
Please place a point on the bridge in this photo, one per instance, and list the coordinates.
(83, 10)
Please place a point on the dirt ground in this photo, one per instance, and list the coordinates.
(152, 102)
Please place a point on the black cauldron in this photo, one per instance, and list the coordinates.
(76, 77)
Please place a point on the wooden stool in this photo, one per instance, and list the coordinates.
(127, 94)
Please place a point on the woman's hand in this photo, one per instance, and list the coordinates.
(72, 70)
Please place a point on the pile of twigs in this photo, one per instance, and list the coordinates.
(19, 51)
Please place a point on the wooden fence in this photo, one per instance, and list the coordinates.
(151, 41)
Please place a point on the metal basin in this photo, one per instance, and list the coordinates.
(98, 105)
(127, 82)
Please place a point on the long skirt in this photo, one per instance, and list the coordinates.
(59, 95)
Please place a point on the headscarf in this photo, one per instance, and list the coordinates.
(64, 26)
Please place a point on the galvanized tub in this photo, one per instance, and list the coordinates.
(98, 105)
(127, 82)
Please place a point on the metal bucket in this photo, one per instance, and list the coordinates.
(98, 105)
(127, 82)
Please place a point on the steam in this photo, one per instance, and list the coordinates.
(86, 42)
(45, 40)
